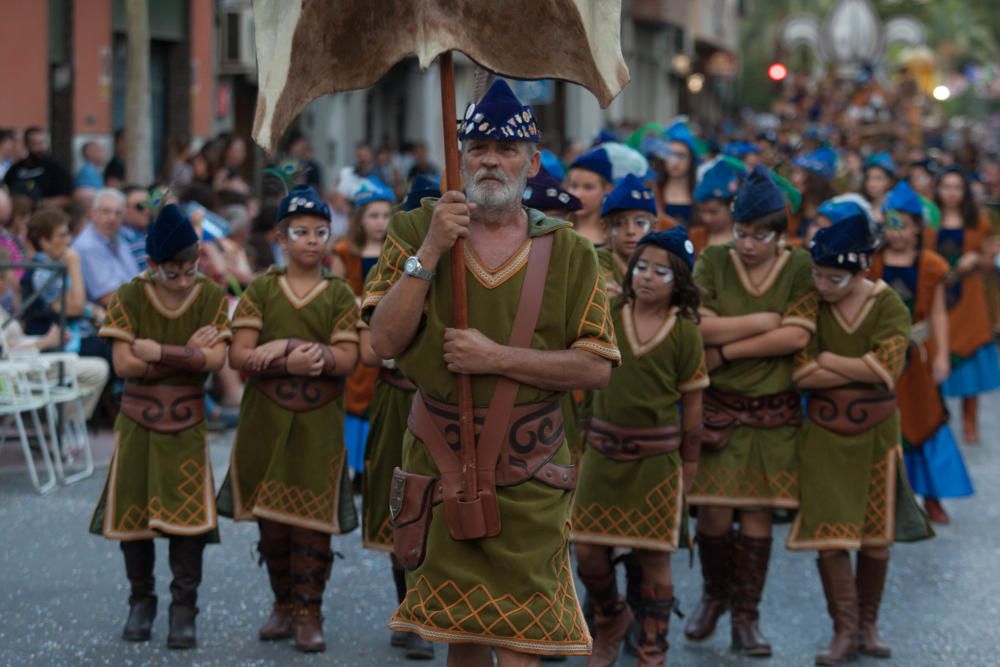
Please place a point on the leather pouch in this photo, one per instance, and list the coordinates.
(410, 502)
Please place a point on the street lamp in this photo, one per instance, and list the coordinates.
(696, 82)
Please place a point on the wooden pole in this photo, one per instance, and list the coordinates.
(460, 307)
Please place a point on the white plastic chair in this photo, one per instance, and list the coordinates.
(51, 376)
(16, 399)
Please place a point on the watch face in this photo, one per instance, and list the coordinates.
(411, 264)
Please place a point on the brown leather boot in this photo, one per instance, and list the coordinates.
(612, 618)
(140, 556)
(312, 560)
(275, 549)
(842, 604)
(750, 559)
(654, 619)
(715, 554)
(185, 564)
(870, 580)
(970, 420)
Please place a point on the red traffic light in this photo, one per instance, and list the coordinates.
(777, 72)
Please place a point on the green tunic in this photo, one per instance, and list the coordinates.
(514, 590)
(852, 485)
(640, 504)
(160, 484)
(289, 466)
(758, 468)
(611, 269)
(383, 453)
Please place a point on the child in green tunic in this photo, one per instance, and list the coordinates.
(169, 331)
(625, 227)
(634, 473)
(850, 458)
(757, 312)
(296, 336)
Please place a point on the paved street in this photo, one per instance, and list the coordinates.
(63, 592)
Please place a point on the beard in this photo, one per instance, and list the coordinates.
(502, 194)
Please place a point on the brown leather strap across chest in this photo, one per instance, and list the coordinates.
(392, 377)
(299, 393)
(850, 411)
(624, 443)
(164, 408)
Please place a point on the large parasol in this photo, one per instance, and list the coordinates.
(308, 48)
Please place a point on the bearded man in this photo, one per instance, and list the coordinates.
(489, 567)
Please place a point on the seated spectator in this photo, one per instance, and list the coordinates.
(90, 176)
(92, 372)
(228, 177)
(136, 223)
(8, 150)
(38, 175)
(8, 240)
(107, 260)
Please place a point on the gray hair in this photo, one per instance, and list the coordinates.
(238, 217)
(108, 193)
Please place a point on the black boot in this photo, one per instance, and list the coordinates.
(140, 557)
(185, 563)
(633, 596)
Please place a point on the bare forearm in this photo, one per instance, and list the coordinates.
(397, 317)
(127, 365)
(780, 342)
(554, 370)
(345, 356)
(939, 321)
(723, 330)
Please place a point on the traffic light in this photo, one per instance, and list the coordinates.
(777, 72)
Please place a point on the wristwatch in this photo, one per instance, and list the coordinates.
(415, 269)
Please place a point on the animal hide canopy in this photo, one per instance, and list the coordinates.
(309, 48)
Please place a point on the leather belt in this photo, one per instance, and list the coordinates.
(164, 408)
(624, 443)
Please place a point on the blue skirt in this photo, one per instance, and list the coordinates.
(936, 468)
(976, 375)
(355, 436)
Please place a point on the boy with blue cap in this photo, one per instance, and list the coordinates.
(628, 213)
(169, 329)
(854, 494)
(757, 313)
(487, 557)
(589, 179)
(296, 338)
(713, 201)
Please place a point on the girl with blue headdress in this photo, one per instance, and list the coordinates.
(357, 253)
(879, 178)
(676, 174)
(918, 275)
(963, 239)
(644, 443)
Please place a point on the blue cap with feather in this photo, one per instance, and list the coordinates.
(597, 161)
(500, 116)
(758, 197)
(721, 181)
(882, 161)
(674, 240)
(679, 131)
(631, 194)
(169, 234)
(303, 200)
(544, 193)
(822, 161)
(849, 243)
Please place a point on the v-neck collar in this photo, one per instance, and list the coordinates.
(851, 324)
(171, 313)
(491, 278)
(293, 298)
(632, 336)
(762, 288)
